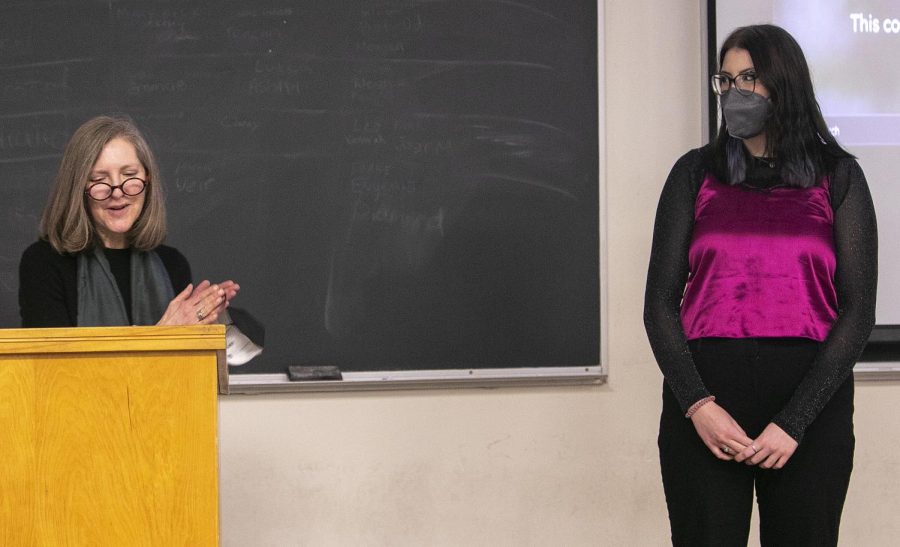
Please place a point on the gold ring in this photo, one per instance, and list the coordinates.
(200, 315)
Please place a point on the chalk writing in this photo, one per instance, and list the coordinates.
(29, 87)
(142, 84)
(435, 147)
(265, 12)
(233, 122)
(31, 138)
(371, 168)
(287, 87)
(155, 18)
(364, 140)
(241, 34)
(411, 222)
(376, 188)
(375, 48)
(374, 21)
(267, 65)
(12, 45)
(8, 281)
(193, 178)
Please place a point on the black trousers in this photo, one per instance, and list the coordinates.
(710, 500)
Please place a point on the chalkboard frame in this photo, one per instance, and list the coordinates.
(252, 384)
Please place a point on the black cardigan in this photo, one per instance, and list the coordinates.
(48, 284)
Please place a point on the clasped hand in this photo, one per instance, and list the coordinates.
(200, 305)
(728, 441)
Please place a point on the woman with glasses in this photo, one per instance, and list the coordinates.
(760, 297)
(100, 260)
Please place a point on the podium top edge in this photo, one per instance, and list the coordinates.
(98, 339)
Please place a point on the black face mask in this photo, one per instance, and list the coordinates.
(745, 115)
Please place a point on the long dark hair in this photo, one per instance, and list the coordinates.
(796, 134)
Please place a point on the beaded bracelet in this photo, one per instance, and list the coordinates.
(696, 406)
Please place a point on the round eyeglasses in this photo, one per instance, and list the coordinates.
(744, 83)
(101, 191)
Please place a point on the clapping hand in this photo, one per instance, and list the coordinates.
(200, 304)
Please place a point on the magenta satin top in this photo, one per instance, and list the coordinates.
(762, 263)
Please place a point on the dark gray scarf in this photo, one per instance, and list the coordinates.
(100, 303)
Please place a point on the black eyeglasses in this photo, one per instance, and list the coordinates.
(101, 191)
(744, 83)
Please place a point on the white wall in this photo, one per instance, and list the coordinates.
(545, 466)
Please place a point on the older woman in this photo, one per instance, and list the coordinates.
(100, 260)
(760, 297)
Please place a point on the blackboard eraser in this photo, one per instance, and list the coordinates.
(297, 373)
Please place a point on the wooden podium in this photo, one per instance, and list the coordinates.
(108, 435)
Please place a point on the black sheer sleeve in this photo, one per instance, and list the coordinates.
(856, 247)
(666, 278)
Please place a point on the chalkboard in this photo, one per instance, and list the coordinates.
(396, 185)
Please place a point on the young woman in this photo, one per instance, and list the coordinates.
(760, 297)
(100, 260)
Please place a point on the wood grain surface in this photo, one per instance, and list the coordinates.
(108, 447)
